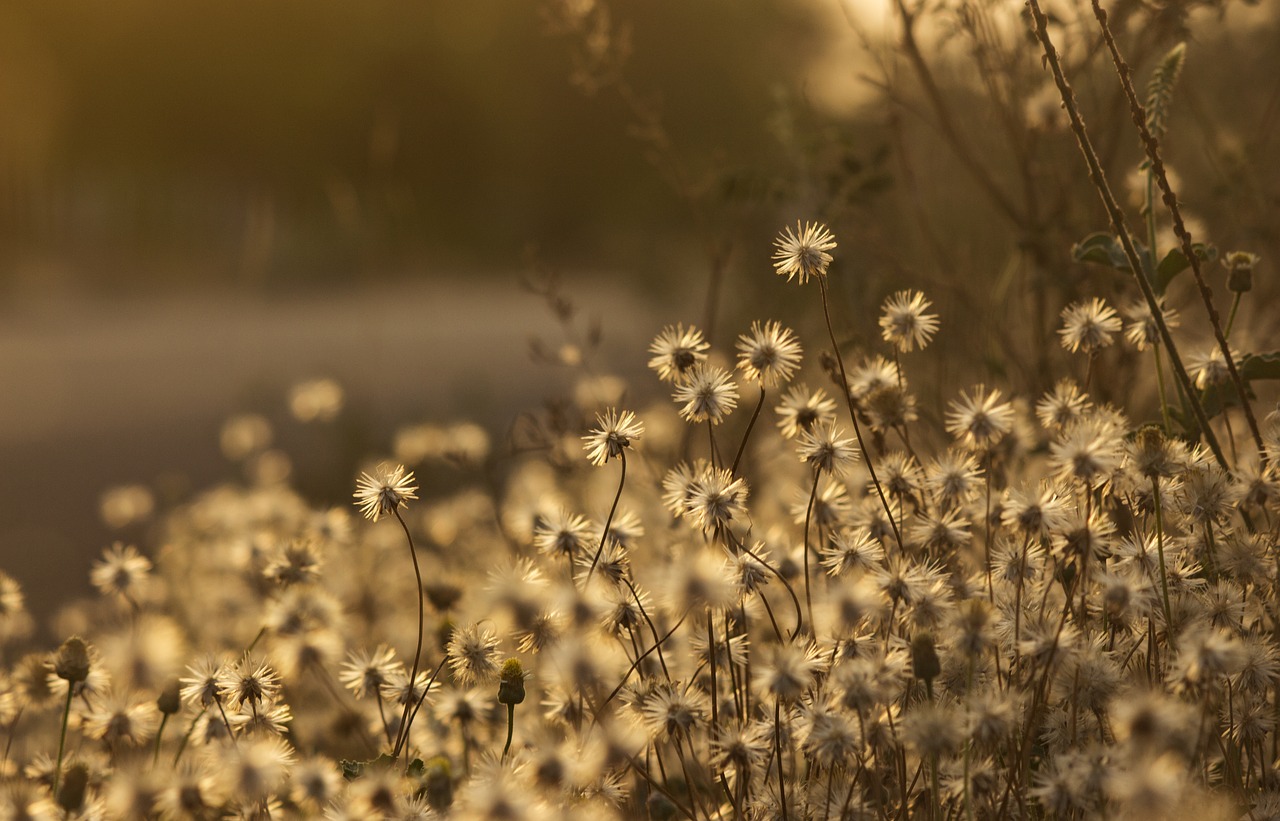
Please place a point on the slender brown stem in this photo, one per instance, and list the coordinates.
(1152, 146)
(742, 448)
(853, 414)
(406, 720)
(1119, 225)
(604, 536)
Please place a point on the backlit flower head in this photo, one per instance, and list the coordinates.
(676, 350)
(386, 490)
(803, 253)
(769, 354)
(613, 432)
(904, 323)
(801, 409)
(1141, 331)
(708, 394)
(826, 448)
(980, 419)
(1088, 325)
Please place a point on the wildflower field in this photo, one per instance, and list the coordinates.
(936, 494)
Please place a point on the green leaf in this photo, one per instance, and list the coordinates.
(1102, 249)
(1175, 263)
(1260, 366)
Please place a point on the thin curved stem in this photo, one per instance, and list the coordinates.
(405, 719)
(62, 739)
(604, 535)
(808, 515)
(1119, 225)
(853, 414)
(1152, 146)
(742, 448)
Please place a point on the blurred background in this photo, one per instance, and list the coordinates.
(202, 203)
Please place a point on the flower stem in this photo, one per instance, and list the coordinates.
(853, 415)
(808, 515)
(62, 740)
(511, 723)
(406, 719)
(742, 448)
(604, 535)
(1164, 579)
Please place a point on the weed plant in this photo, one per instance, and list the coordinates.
(770, 581)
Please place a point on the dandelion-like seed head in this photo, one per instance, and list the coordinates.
(801, 410)
(980, 419)
(1088, 325)
(708, 394)
(802, 254)
(386, 490)
(676, 350)
(769, 354)
(826, 448)
(614, 432)
(904, 323)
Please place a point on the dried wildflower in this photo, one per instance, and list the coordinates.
(674, 710)
(1034, 512)
(614, 432)
(707, 394)
(954, 477)
(826, 449)
(298, 562)
(979, 420)
(314, 782)
(1208, 367)
(204, 686)
(122, 572)
(828, 734)
(932, 729)
(802, 254)
(715, 498)
(676, 350)
(1152, 454)
(904, 323)
(1062, 406)
(769, 354)
(786, 671)
(801, 410)
(940, 532)
(742, 747)
(1088, 326)
(889, 406)
(388, 489)
(1090, 450)
(564, 534)
(250, 681)
(366, 673)
(873, 374)
(473, 654)
(852, 551)
(1142, 332)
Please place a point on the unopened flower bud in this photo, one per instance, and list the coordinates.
(71, 791)
(511, 682)
(924, 657)
(170, 701)
(71, 662)
(1240, 265)
(439, 783)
